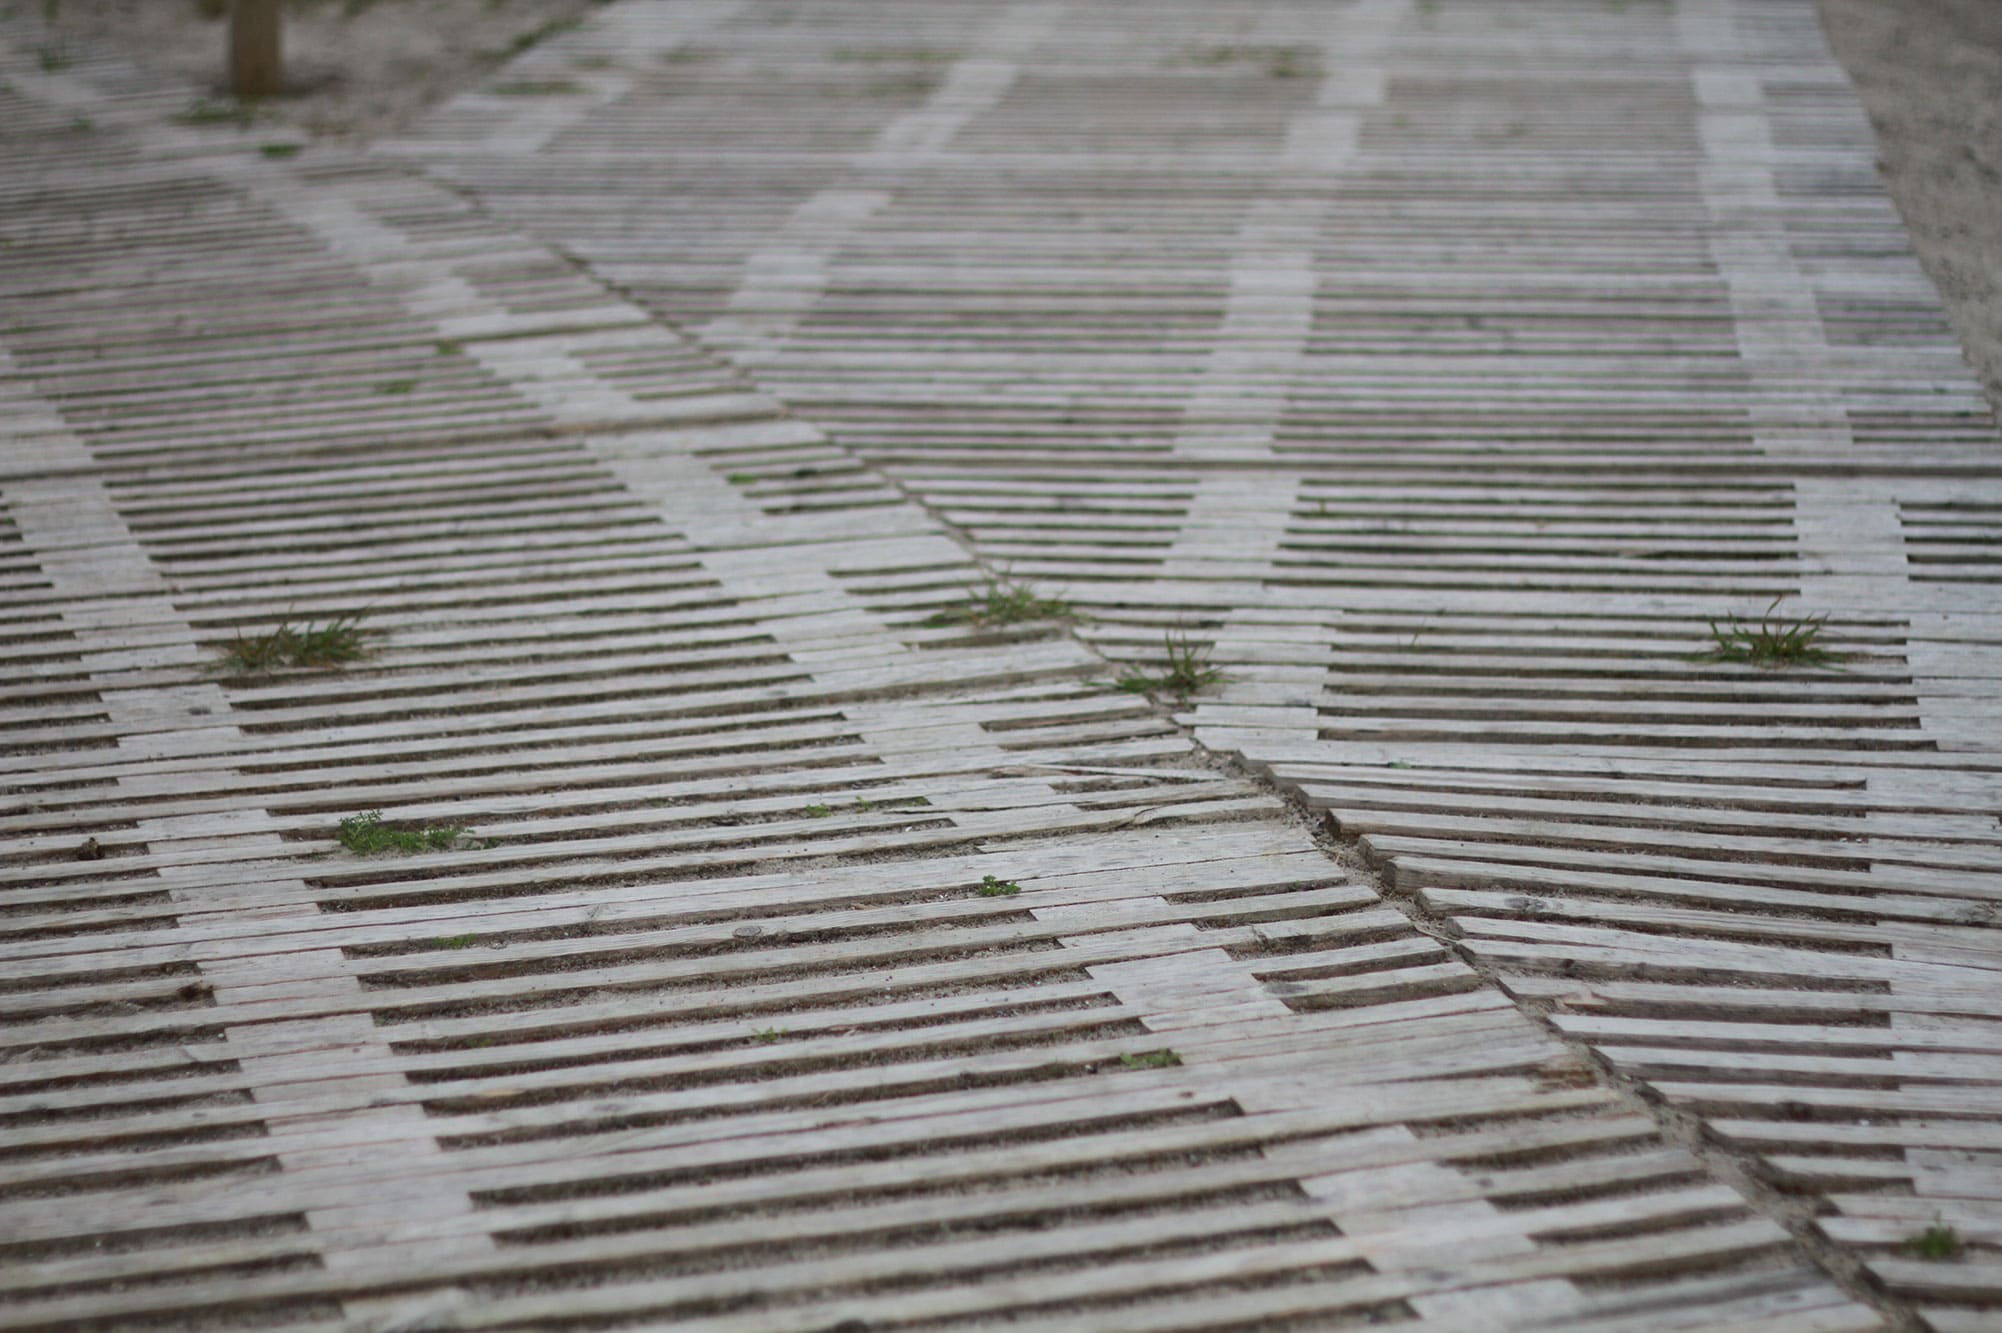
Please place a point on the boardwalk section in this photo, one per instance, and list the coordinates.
(1455, 374)
(773, 957)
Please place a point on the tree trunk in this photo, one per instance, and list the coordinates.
(255, 66)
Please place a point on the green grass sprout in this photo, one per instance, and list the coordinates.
(310, 645)
(1002, 602)
(1185, 670)
(1770, 642)
(365, 835)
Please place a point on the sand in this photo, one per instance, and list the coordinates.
(356, 69)
(1930, 75)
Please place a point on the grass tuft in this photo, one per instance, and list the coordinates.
(1279, 62)
(915, 55)
(337, 641)
(990, 887)
(536, 36)
(1936, 1242)
(1287, 64)
(1185, 670)
(279, 150)
(1002, 602)
(1770, 642)
(537, 88)
(218, 111)
(365, 835)
(1162, 1059)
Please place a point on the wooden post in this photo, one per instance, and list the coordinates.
(256, 68)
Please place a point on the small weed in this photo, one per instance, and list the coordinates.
(476, 1041)
(1162, 1059)
(908, 85)
(536, 35)
(448, 347)
(1002, 603)
(279, 150)
(864, 803)
(53, 59)
(991, 887)
(817, 811)
(453, 941)
(538, 88)
(337, 641)
(1185, 671)
(1936, 1242)
(208, 111)
(82, 124)
(390, 388)
(742, 478)
(366, 834)
(769, 1035)
(1770, 643)
(1280, 62)
(916, 55)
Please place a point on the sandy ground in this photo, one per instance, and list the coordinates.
(357, 69)
(1929, 72)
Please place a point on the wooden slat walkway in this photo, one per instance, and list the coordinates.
(1443, 366)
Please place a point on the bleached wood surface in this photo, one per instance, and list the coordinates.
(1446, 366)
